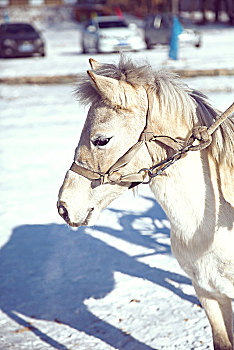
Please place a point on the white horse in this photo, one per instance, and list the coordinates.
(137, 118)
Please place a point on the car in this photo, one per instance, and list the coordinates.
(157, 31)
(111, 34)
(20, 40)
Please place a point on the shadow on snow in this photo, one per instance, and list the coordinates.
(48, 271)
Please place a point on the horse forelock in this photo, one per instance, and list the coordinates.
(174, 97)
(126, 70)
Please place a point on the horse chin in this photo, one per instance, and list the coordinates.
(89, 220)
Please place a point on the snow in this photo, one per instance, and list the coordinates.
(115, 285)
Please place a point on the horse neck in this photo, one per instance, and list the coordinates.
(181, 189)
(185, 189)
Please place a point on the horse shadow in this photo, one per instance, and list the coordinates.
(130, 234)
(48, 271)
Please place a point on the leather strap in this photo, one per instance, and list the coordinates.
(113, 175)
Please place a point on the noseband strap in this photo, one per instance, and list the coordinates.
(113, 175)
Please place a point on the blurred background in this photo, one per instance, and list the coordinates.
(54, 294)
(202, 10)
(174, 28)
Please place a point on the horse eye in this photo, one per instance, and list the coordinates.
(101, 141)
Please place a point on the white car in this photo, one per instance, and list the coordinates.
(111, 34)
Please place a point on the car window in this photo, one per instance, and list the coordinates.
(112, 24)
(17, 28)
(185, 22)
(165, 22)
(149, 21)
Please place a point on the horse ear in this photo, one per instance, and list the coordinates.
(94, 64)
(106, 86)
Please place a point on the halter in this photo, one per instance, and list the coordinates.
(200, 133)
(114, 176)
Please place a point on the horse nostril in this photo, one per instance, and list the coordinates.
(63, 212)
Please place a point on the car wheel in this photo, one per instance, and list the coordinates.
(43, 54)
(198, 44)
(97, 47)
(84, 50)
(148, 45)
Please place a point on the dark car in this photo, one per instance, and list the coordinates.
(157, 29)
(20, 40)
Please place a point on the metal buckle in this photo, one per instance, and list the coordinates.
(149, 173)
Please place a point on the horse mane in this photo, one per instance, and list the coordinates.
(174, 96)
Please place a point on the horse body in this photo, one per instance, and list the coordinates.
(201, 245)
(202, 237)
(194, 192)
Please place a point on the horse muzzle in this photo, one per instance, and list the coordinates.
(64, 213)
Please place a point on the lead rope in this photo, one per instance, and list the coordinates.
(200, 133)
(221, 119)
(203, 134)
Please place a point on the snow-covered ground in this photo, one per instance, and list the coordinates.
(113, 286)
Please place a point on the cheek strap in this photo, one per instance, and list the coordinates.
(113, 175)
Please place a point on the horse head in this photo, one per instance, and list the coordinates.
(115, 120)
(129, 106)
